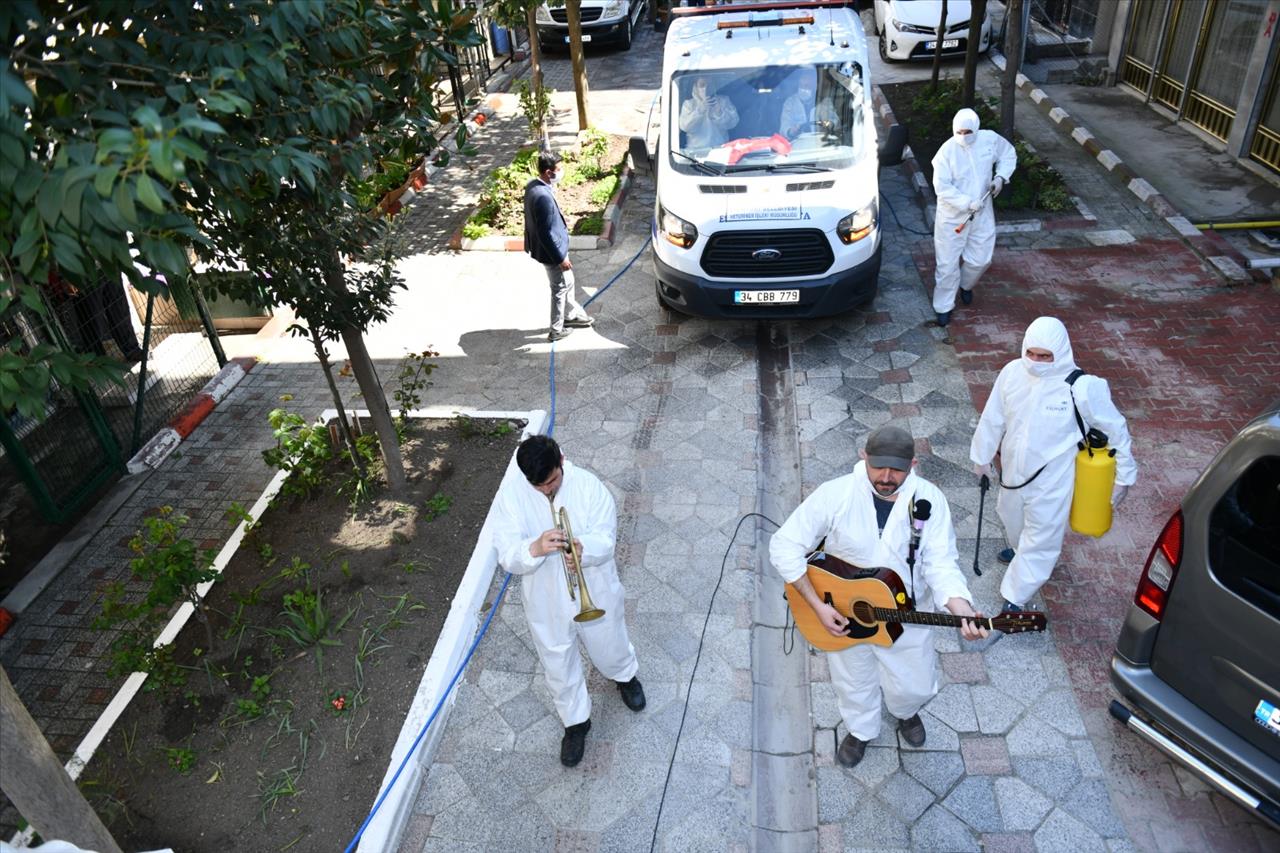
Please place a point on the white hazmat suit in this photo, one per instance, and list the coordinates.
(706, 117)
(1029, 418)
(963, 172)
(523, 514)
(843, 511)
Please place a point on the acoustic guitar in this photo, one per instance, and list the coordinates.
(876, 603)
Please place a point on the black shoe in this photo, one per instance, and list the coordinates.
(580, 323)
(555, 335)
(966, 296)
(574, 743)
(851, 751)
(942, 319)
(1010, 607)
(632, 694)
(1006, 556)
(912, 730)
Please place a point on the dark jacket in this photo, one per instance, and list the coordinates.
(546, 236)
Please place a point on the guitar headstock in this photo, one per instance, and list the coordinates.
(1017, 621)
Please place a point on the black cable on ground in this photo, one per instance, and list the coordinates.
(894, 213)
(689, 690)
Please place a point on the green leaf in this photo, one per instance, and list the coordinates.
(68, 257)
(114, 140)
(25, 242)
(106, 176)
(13, 91)
(149, 119)
(49, 201)
(147, 194)
(29, 180)
(203, 125)
(124, 203)
(71, 205)
(162, 158)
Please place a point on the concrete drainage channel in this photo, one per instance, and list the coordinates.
(784, 804)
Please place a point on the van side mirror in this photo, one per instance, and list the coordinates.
(641, 158)
(892, 147)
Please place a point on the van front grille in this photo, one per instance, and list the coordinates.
(745, 254)
(561, 15)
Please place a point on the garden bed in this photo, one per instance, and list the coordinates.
(274, 742)
(1035, 191)
(593, 176)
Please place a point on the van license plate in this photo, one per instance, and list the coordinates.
(766, 297)
(947, 44)
(585, 37)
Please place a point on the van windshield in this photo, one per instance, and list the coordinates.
(806, 118)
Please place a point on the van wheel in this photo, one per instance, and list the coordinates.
(626, 33)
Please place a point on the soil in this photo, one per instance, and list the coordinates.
(216, 765)
(926, 140)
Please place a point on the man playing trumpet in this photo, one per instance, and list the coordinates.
(532, 542)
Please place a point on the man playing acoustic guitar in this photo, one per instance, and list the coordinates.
(871, 518)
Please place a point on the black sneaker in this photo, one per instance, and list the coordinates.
(941, 319)
(966, 296)
(558, 334)
(1006, 556)
(1010, 607)
(912, 730)
(580, 323)
(851, 751)
(632, 694)
(574, 743)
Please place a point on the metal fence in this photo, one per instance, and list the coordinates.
(84, 436)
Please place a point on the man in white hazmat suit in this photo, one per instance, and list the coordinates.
(530, 544)
(866, 519)
(1030, 419)
(706, 117)
(969, 171)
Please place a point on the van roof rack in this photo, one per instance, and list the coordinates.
(762, 6)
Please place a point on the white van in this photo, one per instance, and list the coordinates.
(766, 162)
(603, 21)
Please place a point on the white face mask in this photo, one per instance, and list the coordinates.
(966, 139)
(805, 94)
(1037, 368)
(555, 177)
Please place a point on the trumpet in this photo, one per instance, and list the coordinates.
(573, 576)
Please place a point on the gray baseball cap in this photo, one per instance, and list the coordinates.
(890, 447)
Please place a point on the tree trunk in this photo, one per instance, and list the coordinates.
(939, 36)
(376, 401)
(535, 49)
(1012, 62)
(574, 8)
(979, 14)
(38, 785)
(344, 426)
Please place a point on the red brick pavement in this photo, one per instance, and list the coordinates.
(1190, 360)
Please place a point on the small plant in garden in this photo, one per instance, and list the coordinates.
(411, 380)
(437, 506)
(272, 789)
(180, 758)
(358, 486)
(308, 623)
(535, 104)
(474, 230)
(172, 568)
(338, 703)
(301, 449)
(297, 568)
(593, 147)
(605, 190)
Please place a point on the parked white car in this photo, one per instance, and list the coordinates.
(608, 21)
(908, 28)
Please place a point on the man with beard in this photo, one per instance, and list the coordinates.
(865, 518)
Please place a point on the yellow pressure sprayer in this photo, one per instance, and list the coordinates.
(1095, 475)
(1095, 479)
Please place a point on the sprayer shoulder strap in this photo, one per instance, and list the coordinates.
(1071, 381)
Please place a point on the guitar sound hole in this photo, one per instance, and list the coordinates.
(862, 613)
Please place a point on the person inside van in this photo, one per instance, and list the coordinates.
(802, 113)
(706, 117)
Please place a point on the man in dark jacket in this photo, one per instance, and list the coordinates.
(546, 238)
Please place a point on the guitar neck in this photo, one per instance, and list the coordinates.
(920, 617)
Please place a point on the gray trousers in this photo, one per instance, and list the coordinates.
(563, 304)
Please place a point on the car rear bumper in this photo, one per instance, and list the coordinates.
(1189, 731)
(833, 294)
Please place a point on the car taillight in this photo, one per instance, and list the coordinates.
(1161, 569)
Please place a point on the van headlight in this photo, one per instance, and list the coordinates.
(612, 10)
(543, 15)
(676, 230)
(858, 224)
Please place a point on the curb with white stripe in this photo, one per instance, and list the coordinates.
(164, 442)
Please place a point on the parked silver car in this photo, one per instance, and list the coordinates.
(1199, 655)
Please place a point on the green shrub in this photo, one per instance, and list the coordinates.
(605, 190)
(474, 230)
(536, 106)
(302, 449)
